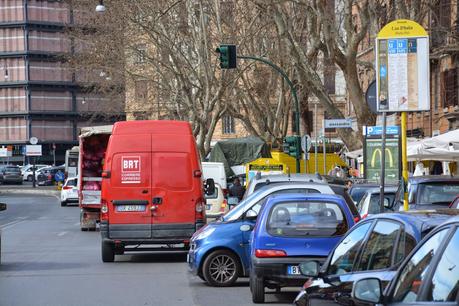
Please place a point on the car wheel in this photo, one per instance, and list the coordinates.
(63, 203)
(257, 287)
(221, 268)
(108, 252)
(30, 178)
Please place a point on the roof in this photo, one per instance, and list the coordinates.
(167, 127)
(433, 178)
(386, 189)
(95, 130)
(289, 177)
(421, 220)
(283, 185)
(308, 197)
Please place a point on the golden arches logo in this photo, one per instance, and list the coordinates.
(388, 153)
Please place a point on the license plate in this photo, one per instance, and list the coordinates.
(208, 206)
(130, 208)
(293, 270)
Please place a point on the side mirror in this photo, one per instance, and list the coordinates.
(387, 203)
(2, 206)
(251, 214)
(310, 268)
(368, 290)
(209, 187)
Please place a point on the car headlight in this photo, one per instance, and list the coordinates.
(205, 233)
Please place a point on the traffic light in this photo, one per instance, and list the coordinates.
(292, 146)
(227, 56)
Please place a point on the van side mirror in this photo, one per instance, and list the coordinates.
(209, 187)
(310, 268)
(368, 290)
(2, 206)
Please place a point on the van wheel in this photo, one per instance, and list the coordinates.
(257, 287)
(108, 252)
(221, 268)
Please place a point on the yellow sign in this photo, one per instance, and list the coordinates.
(378, 151)
(402, 28)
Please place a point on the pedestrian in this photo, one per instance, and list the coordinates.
(348, 184)
(237, 190)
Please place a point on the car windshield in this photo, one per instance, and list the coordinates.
(12, 169)
(237, 212)
(437, 193)
(357, 193)
(72, 182)
(300, 219)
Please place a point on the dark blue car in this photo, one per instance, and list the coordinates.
(290, 229)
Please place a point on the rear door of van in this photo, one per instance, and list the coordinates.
(130, 193)
(175, 189)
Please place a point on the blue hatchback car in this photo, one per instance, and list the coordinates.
(290, 229)
(220, 252)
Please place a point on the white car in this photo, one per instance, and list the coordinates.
(27, 171)
(69, 192)
(216, 204)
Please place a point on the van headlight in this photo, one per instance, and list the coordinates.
(205, 233)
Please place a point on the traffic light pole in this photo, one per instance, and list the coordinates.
(295, 97)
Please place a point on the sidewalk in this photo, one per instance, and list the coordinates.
(27, 188)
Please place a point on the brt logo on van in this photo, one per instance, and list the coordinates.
(130, 169)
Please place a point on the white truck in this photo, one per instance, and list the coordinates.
(215, 171)
(71, 161)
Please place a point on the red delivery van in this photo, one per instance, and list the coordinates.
(152, 190)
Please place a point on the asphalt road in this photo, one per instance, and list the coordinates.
(47, 260)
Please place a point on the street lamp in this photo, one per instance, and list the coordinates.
(100, 8)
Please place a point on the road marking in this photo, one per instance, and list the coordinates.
(62, 234)
(22, 218)
(11, 224)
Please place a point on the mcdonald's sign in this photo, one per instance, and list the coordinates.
(373, 157)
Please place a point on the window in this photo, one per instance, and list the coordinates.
(449, 87)
(406, 244)
(445, 281)
(346, 252)
(140, 54)
(414, 273)
(437, 193)
(228, 125)
(374, 205)
(72, 182)
(377, 253)
(306, 219)
(141, 90)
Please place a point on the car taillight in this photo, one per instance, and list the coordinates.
(104, 211)
(223, 206)
(363, 217)
(200, 209)
(270, 253)
(67, 187)
(357, 218)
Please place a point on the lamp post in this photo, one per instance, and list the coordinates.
(100, 8)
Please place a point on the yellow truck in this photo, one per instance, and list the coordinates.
(284, 163)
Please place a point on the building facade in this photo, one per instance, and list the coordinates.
(40, 95)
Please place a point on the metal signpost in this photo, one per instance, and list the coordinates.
(402, 79)
(33, 150)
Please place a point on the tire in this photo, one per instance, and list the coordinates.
(30, 178)
(84, 229)
(221, 268)
(63, 203)
(257, 287)
(108, 252)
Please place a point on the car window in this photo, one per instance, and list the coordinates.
(260, 203)
(361, 203)
(214, 195)
(445, 281)
(437, 193)
(406, 244)
(357, 193)
(13, 169)
(377, 253)
(374, 207)
(308, 218)
(72, 182)
(347, 250)
(414, 272)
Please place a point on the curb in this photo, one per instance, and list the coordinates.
(54, 193)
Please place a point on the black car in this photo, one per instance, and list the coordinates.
(46, 177)
(375, 246)
(428, 192)
(429, 276)
(10, 174)
(2, 207)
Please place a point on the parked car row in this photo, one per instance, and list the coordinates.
(307, 232)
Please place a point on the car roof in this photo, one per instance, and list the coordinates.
(311, 196)
(285, 185)
(288, 177)
(433, 178)
(420, 220)
(386, 189)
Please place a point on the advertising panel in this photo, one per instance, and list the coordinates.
(373, 155)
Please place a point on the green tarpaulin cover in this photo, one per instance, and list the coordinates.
(238, 151)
